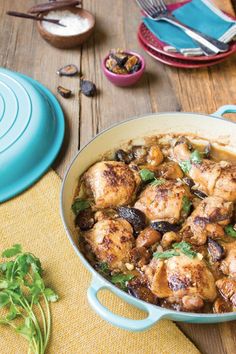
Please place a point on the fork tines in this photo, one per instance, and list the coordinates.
(146, 7)
(152, 7)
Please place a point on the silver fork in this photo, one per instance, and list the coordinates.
(157, 11)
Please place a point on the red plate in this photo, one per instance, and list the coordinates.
(152, 42)
(176, 62)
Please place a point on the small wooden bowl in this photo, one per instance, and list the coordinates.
(66, 42)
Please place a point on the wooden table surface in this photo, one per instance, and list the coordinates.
(161, 89)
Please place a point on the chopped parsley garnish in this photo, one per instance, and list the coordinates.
(147, 175)
(103, 269)
(196, 157)
(121, 280)
(80, 205)
(186, 204)
(185, 166)
(230, 230)
(158, 182)
(166, 255)
(185, 248)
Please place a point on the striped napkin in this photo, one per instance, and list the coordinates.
(201, 15)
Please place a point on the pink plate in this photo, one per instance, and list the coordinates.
(155, 44)
(176, 62)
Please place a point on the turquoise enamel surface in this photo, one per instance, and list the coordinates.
(31, 132)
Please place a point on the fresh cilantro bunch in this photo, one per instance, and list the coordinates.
(25, 298)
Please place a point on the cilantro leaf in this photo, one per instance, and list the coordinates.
(4, 299)
(196, 157)
(158, 182)
(27, 329)
(121, 280)
(185, 248)
(185, 166)
(3, 284)
(13, 251)
(50, 295)
(230, 230)
(13, 313)
(186, 204)
(146, 175)
(103, 268)
(166, 255)
(22, 291)
(80, 205)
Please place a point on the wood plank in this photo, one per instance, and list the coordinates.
(23, 50)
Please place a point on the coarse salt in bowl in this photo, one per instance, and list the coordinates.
(78, 26)
(74, 23)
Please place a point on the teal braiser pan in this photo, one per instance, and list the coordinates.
(206, 126)
(31, 132)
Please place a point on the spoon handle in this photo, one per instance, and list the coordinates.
(31, 17)
(53, 5)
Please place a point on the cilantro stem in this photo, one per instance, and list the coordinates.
(23, 294)
(37, 349)
(44, 324)
(49, 320)
(28, 309)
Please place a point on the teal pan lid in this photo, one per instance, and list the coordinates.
(31, 132)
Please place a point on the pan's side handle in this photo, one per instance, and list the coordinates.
(154, 315)
(225, 109)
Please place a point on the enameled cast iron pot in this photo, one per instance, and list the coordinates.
(206, 126)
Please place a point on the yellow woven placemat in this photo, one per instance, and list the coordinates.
(33, 220)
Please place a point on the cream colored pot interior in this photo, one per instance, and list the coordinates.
(213, 129)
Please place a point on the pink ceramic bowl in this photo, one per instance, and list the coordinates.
(121, 79)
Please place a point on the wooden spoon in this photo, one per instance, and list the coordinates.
(36, 18)
(53, 5)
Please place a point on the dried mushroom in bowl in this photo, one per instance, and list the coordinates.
(158, 220)
(120, 62)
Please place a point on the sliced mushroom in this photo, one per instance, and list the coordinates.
(123, 156)
(134, 216)
(215, 250)
(148, 237)
(139, 153)
(85, 219)
(199, 194)
(221, 306)
(168, 238)
(143, 293)
(140, 256)
(155, 156)
(164, 226)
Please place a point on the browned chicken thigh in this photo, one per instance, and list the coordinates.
(210, 177)
(111, 183)
(158, 222)
(228, 265)
(182, 280)
(111, 241)
(207, 219)
(163, 202)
